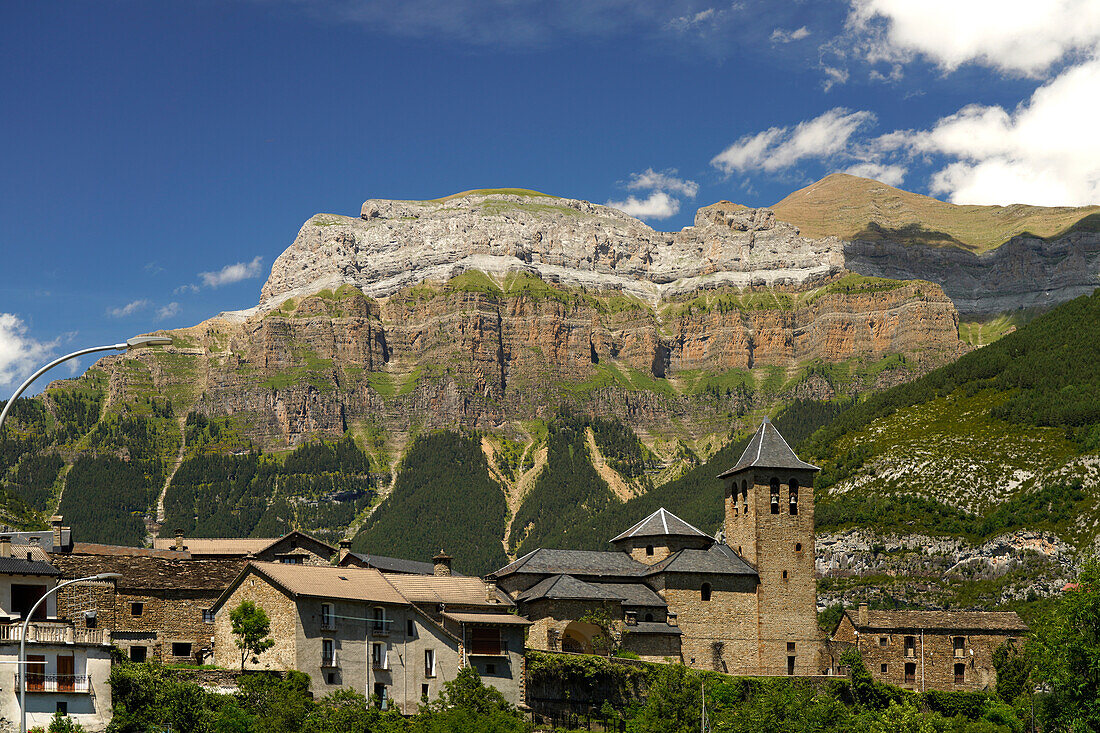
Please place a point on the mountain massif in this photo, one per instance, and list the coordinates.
(580, 367)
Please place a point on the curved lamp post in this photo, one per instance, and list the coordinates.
(22, 667)
(133, 343)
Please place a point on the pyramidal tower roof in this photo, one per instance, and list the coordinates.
(662, 523)
(768, 449)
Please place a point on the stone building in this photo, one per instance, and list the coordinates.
(381, 563)
(295, 547)
(927, 650)
(674, 592)
(68, 664)
(399, 638)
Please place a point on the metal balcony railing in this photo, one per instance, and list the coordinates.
(75, 683)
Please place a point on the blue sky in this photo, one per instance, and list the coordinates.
(157, 157)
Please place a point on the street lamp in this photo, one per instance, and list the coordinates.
(22, 666)
(132, 343)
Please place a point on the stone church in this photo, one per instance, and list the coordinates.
(744, 603)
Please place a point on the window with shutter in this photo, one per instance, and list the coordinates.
(485, 640)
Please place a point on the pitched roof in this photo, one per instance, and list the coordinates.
(234, 545)
(449, 590)
(634, 594)
(504, 619)
(653, 627)
(567, 588)
(22, 566)
(29, 552)
(573, 562)
(768, 449)
(661, 523)
(718, 559)
(940, 620)
(94, 548)
(152, 572)
(319, 581)
(394, 564)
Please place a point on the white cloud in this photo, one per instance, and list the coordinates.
(658, 205)
(651, 180)
(778, 148)
(20, 354)
(168, 311)
(890, 174)
(129, 309)
(1018, 36)
(189, 288)
(232, 273)
(780, 35)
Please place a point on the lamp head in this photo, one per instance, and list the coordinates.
(138, 341)
(107, 576)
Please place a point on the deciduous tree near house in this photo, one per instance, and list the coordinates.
(251, 626)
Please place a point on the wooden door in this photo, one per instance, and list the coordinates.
(36, 672)
(65, 669)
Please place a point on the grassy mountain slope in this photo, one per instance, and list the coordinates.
(851, 207)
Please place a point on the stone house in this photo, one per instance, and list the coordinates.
(382, 563)
(69, 665)
(927, 650)
(355, 627)
(674, 591)
(292, 548)
(159, 609)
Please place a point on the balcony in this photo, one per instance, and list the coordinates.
(63, 683)
(54, 632)
(329, 662)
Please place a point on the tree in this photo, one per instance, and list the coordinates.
(251, 627)
(1065, 648)
(1013, 669)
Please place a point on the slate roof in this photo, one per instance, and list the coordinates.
(393, 564)
(1003, 621)
(240, 546)
(152, 573)
(94, 548)
(573, 562)
(634, 594)
(567, 588)
(768, 449)
(449, 590)
(661, 523)
(653, 627)
(718, 559)
(22, 566)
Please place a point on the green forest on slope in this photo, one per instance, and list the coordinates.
(443, 498)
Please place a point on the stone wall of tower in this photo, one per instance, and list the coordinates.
(781, 548)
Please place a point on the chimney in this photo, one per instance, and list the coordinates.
(178, 546)
(864, 614)
(442, 563)
(55, 522)
(345, 548)
(5, 546)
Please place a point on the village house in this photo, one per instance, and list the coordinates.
(68, 664)
(675, 592)
(928, 650)
(295, 548)
(398, 638)
(382, 563)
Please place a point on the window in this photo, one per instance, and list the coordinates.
(490, 669)
(882, 668)
(884, 641)
(330, 678)
(910, 646)
(429, 662)
(649, 617)
(207, 616)
(328, 618)
(958, 643)
(784, 575)
(136, 609)
(410, 628)
(379, 622)
(291, 560)
(910, 673)
(790, 665)
(23, 598)
(485, 640)
(793, 496)
(790, 647)
(62, 705)
(424, 691)
(960, 674)
(631, 618)
(328, 653)
(380, 694)
(91, 620)
(378, 655)
(745, 497)
(775, 496)
(181, 648)
(649, 550)
(704, 592)
(798, 547)
(138, 653)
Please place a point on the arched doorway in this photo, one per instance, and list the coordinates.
(577, 637)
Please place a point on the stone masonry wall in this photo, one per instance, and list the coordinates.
(280, 610)
(719, 634)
